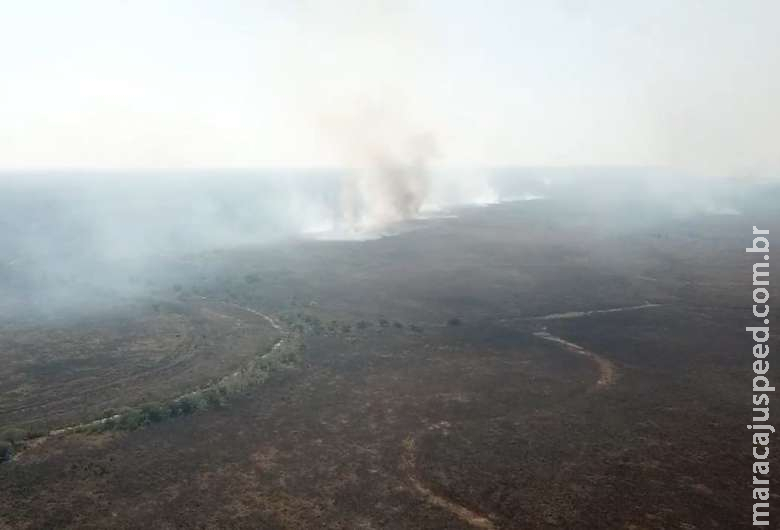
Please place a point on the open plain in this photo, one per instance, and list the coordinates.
(532, 364)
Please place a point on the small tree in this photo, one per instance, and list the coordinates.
(212, 397)
(153, 412)
(131, 420)
(174, 409)
(187, 405)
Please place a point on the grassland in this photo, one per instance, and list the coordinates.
(429, 395)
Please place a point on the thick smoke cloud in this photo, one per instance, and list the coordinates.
(391, 94)
(388, 187)
(77, 241)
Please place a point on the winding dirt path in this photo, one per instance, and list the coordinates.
(408, 464)
(271, 320)
(607, 370)
(607, 377)
(580, 314)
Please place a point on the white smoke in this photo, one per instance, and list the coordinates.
(390, 184)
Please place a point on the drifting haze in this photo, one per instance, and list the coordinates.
(410, 105)
(178, 84)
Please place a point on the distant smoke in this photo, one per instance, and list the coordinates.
(388, 158)
(388, 185)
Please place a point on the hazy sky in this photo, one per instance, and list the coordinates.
(296, 83)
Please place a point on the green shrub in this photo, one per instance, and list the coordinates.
(131, 420)
(212, 397)
(154, 412)
(173, 409)
(187, 405)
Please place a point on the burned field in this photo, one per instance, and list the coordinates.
(528, 365)
(75, 370)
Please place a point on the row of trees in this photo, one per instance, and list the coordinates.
(131, 418)
(286, 355)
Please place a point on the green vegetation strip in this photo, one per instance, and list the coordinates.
(284, 355)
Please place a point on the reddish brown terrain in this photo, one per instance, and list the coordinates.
(525, 366)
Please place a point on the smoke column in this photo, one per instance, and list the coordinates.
(387, 186)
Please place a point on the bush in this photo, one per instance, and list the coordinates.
(187, 405)
(173, 409)
(130, 420)
(153, 413)
(213, 398)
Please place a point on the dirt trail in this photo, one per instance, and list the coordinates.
(271, 320)
(607, 371)
(607, 377)
(580, 314)
(408, 464)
